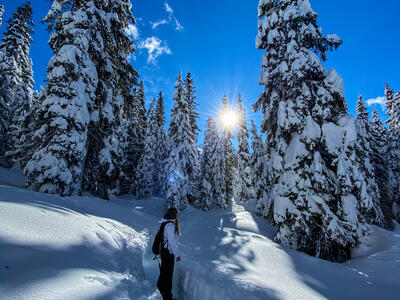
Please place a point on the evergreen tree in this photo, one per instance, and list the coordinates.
(207, 188)
(219, 178)
(393, 148)
(245, 182)
(89, 78)
(229, 155)
(144, 179)
(191, 100)
(16, 76)
(140, 122)
(160, 147)
(379, 159)
(257, 165)
(1, 14)
(369, 192)
(313, 182)
(183, 154)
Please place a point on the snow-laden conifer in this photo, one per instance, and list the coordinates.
(229, 153)
(16, 76)
(369, 191)
(257, 165)
(144, 177)
(208, 174)
(160, 147)
(245, 184)
(379, 157)
(89, 78)
(1, 14)
(183, 154)
(313, 183)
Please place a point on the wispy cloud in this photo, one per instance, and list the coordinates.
(156, 24)
(172, 19)
(376, 101)
(155, 48)
(168, 8)
(133, 31)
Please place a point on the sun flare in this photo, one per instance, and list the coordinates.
(229, 119)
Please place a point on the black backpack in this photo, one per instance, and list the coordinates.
(158, 244)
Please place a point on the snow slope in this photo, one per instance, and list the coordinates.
(88, 248)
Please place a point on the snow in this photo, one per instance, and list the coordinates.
(87, 248)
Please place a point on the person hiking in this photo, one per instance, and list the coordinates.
(169, 251)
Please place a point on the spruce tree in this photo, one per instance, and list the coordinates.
(379, 158)
(257, 165)
(89, 78)
(245, 180)
(1, 14)
(207, 188)
(160, 147)
(144, 178)
(219, 183)
(312, 179)
(16, 76)
(369, 191)
(229, 154)
(183, 154)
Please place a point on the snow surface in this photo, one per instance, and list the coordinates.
(88, 248)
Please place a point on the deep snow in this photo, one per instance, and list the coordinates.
(88, 248)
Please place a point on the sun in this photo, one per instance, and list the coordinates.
(229, 118)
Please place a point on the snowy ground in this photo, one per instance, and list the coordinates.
(88, 248)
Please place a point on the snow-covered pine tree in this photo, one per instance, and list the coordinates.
(1, 14)
(245, 180)
(393, 149)
(312, 180)
(16, 75)
(370, 196)
(257, 165)
(219, 183)
(190, 98)
(229, 153)
(207, 188)
(144, 178)
(140, 121)
(160, 147)
(183, 153)
(379, 143)
(89, 78)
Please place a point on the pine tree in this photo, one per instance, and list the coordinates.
(183, 154)
(89, 79)
(257, 165)
(312, 180)
(245, 180)
(16, 76)
(207, 188)
(140, 122)
(379, 159)
(370, 196)
(229, 155)
(160, 147)
(219, 168)
(393, 148)
(1, 14)
(144, 179)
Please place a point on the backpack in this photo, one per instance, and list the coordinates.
(158, 244)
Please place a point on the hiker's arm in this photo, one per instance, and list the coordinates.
(172, 239)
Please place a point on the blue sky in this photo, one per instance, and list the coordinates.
(215, 41)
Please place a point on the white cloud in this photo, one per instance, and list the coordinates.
(379, 100)
(179, 26)
(155, 48)
(133, 31)
(156, 24)
(168, 8)
(172, 19)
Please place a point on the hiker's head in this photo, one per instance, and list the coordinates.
(172, 213)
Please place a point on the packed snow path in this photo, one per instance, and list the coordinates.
(88, 248)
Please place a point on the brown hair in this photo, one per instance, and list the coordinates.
(172, 214)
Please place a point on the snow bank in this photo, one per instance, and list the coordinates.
(61, 248)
